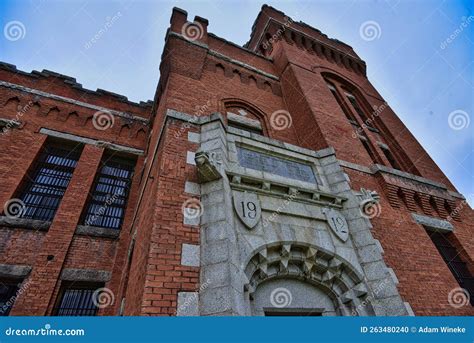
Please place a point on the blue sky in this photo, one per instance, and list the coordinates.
(421, 60)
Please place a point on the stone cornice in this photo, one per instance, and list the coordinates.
(36, 92)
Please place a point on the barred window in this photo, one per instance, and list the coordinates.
(46, 184)
(8, 292)
(452, 258)
(77, 300)
(108, 200)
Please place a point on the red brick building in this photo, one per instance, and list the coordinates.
(267, 179)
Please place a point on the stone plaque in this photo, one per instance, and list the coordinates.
(247, 207)
(337, 223)
(275, 165)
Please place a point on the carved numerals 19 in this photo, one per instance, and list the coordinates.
(249, 209)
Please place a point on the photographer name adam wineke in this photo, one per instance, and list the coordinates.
(441, 329)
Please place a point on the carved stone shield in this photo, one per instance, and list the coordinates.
(247, 207)
(337, 223)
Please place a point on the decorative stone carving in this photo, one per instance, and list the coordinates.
(337, 223)
(368, 196)
(369, 203)
(305, 263)
(247, 207)
(207, 164)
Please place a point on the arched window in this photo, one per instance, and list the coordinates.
(362, 117)
(244, 116)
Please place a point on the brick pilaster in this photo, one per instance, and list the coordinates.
(50, 259)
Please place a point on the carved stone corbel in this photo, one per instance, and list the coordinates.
(207, 164)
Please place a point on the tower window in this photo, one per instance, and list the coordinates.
(107, 203)
(77, 300)
(390, 158)
(367, 147)
(47, 183)
(454, 261)
(348, 115)
(356, 107)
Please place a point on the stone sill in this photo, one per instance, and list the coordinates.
(95, 231)
(24, 223)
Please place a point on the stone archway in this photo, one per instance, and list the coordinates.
(333, 286)
(288, 296)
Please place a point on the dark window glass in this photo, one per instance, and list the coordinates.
(8, 293)
(349, 116)
(367, 147)
(47, 183)
(357, 108)
(107, 203)
(77, 300)
(390, 158)
(454, 261)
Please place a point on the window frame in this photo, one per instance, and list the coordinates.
(106, 162)
(15, 285)
(92, 287)
(442, 244)
(44, 185)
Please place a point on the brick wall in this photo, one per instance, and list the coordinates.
(197, 78)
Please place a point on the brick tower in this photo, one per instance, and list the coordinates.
(269, 179)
